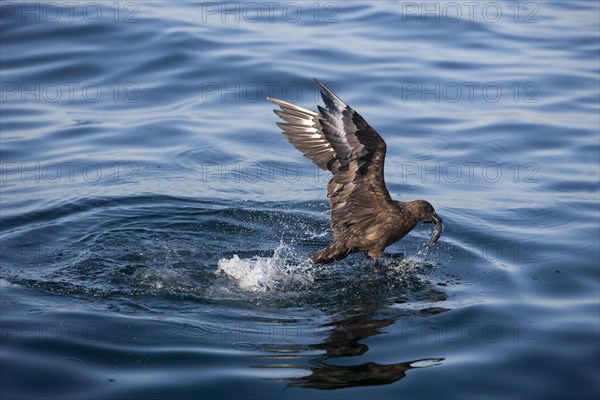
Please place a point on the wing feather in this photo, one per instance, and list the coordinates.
(302, 128)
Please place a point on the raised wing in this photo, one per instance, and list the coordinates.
(340, 140)
(303, 129)
(357, 193)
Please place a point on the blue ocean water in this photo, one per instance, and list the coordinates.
(155, 224)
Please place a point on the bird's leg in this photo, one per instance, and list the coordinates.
(375, 255)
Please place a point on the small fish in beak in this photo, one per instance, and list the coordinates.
(438, 227)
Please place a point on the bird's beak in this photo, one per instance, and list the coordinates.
(438, 227)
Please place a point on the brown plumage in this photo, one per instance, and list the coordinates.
(364, 218)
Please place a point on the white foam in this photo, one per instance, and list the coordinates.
(261, 274)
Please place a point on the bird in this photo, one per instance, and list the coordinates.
(363, 216)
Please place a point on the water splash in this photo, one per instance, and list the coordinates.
(158, 278)
(284, 270)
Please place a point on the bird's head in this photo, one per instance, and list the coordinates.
(423, 210)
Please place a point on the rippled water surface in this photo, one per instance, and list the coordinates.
(156, 224)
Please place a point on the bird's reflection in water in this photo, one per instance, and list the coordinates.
(344, 341)
(345, 338)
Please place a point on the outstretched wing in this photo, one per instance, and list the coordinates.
(357, 193)
(303, 129)
(338, 139)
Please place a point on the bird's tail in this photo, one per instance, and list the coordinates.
(335, 251)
